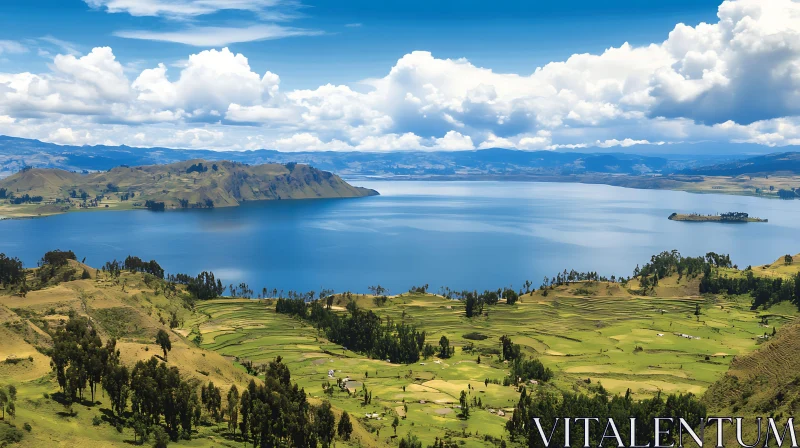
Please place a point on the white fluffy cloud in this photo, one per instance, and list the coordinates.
(735, 80)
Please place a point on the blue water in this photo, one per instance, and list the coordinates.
(464, 235)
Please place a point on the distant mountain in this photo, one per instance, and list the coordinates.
(16, 153)
(190, 184)
(785, 162)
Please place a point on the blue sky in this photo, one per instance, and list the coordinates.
(508, 36)
(399, 75)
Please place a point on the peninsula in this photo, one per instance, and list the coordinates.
(182, 185)
(735, 217)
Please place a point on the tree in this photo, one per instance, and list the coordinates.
(787, 259)
(510, 295)
(395, 424)
(410, 441)
(325, 424)
(162, 339)
(444, 347)
(244, 408)
(211, 397)
(115, 383)
(140, 428)
(470, 303)
(233, 409)
(11, 410)
(464, 401)
(345, 427)
(160, 437)
(12, 392)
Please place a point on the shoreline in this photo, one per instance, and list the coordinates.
(691, 184)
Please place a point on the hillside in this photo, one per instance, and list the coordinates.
(785, 163)
(763, 383)
(587, 332)
(190, 184)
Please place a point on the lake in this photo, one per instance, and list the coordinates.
(464, 235)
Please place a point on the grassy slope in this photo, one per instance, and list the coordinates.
(587, 330)
(581, 331)
(133, 316)
(227, 186)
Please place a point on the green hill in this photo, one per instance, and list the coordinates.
(191, 184)
(642, 341)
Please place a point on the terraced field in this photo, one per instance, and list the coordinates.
(619, 340)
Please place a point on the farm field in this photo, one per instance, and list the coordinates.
(608, 337)
(589, 333)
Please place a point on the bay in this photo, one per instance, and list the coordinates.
(463, 235)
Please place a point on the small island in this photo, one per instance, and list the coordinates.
(734, 217)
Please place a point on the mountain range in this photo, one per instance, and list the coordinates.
(697, 159)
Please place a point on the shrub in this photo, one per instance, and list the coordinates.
(475, 336)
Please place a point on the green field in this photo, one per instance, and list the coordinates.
(581, 338)
(588, 333)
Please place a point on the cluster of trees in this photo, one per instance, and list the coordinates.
(79, 358)
(564, 278)
(53, 266)
(11, 271)
(672, 262)
(549, 406)
(136, 264)
(360, 330)
(57, 257)
(197, 168)
(25, 199)
(787, 194)
(474, 302)
(203, 287)
(277, 413)
(8, 396)
(156, 392)
(765, 291)
(522, 369)
(155, 206)
(530, 369)
(79, 194)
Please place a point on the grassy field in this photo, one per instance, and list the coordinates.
(587, 333)
(597, 333)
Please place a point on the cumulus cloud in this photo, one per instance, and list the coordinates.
(734, 80)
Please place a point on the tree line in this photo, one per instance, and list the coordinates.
(136, 264)
(765, 291)
(551, 407)
(360, 330)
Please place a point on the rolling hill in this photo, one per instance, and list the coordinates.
(590, 333)
(190, 184)
(16, 153)
(785, 163)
